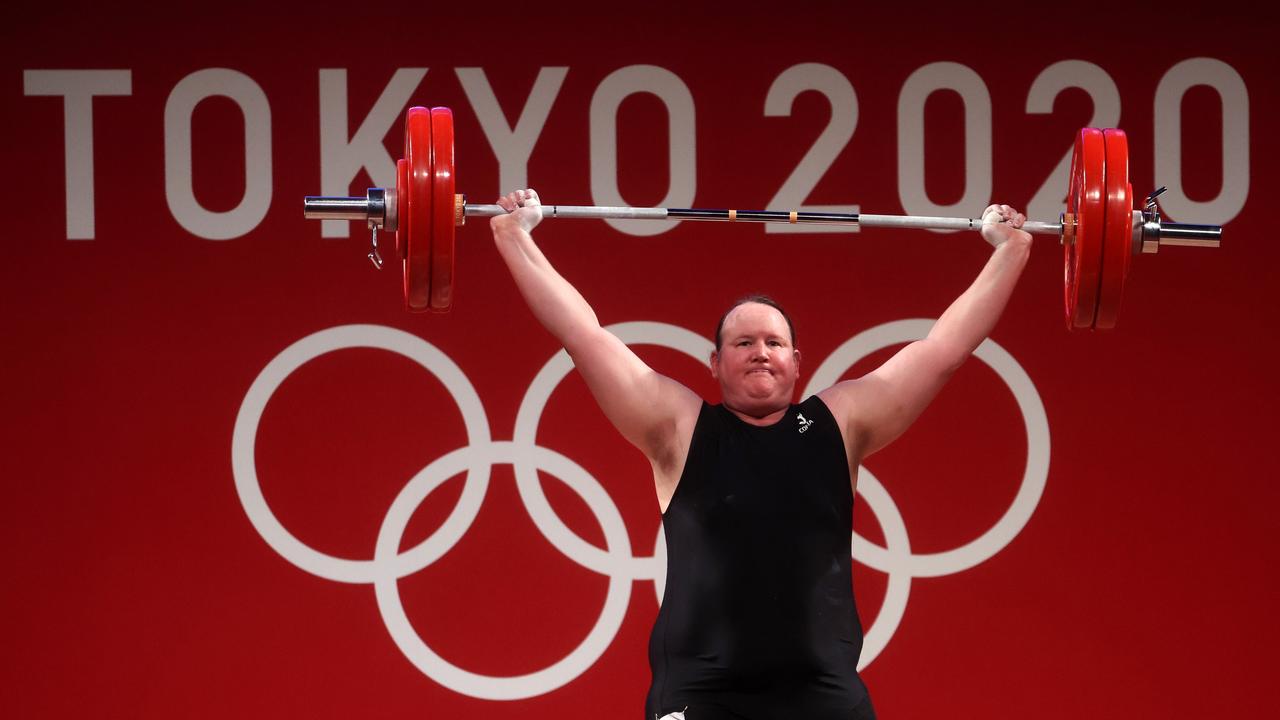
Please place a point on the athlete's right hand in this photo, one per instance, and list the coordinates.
(1001, 223)
(524, 211)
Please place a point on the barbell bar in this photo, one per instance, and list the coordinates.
(1100, 232)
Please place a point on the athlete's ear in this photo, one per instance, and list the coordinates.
(715, 364)
(796, 355)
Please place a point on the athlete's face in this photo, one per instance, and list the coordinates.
(756, 364)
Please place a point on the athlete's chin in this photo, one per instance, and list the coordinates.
(760, 392)
(763, 399)
(767, 386)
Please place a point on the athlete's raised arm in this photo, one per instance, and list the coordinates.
(878, 407)
(653, 412)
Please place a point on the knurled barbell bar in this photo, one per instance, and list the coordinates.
(1100, 231)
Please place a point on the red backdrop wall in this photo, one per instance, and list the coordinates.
(235, 470)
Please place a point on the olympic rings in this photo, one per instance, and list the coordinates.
(486, 687)
(244, 441)
(616, 561)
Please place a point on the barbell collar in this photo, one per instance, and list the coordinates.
(1151, 232)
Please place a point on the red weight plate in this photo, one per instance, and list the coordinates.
(1118, 241)
(1070, 281)
(1086, 202)
(417, 204)
(402, 212)
(442, 191)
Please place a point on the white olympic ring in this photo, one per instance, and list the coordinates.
(244, 441)
(486, 687)
(616, 561)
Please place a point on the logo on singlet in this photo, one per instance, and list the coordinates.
(804, 424)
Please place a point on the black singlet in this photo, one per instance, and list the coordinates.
(758, 619)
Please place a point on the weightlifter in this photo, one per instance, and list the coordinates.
(758, 620)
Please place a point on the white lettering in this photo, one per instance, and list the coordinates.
(512, 146)
(178, 187)
(78, 88)
(673, 93)
(977, 139)
(1235, 140)
(342, 156)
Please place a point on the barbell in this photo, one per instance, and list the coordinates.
(1100, 231)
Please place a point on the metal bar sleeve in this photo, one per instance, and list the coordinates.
(1189, 235)
(335, 208)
